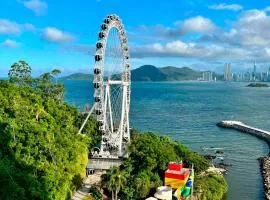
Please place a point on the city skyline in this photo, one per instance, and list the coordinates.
(199, 34)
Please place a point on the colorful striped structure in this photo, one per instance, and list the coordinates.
(179, 178)
(185, 191)
(176, 176)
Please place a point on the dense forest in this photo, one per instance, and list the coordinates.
(41, 155)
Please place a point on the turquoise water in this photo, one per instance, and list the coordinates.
(189, 111)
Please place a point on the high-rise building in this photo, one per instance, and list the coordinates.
(268, 74)
(207, 76)
(227, 72)
(254, 71)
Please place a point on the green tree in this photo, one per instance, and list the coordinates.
(55, 73)
(114, 180)
(45, 84)
(210, 186)
(41, 155)
(146, 181)
(20, 73)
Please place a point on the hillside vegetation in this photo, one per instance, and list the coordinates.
(180, 74)
(140, 175)
(78, 76)
(41, 155)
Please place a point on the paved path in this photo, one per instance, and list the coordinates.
(81, 193)
(91, 180)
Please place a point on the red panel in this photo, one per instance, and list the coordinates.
(176, 176)
(175, 166)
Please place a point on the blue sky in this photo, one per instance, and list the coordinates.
(202, 34)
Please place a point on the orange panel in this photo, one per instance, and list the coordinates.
(175, 183)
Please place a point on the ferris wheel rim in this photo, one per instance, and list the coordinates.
(110, 22)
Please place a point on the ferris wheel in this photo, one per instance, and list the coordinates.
(112, 89)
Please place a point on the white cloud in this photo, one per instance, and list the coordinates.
(9, 27)
(251, 29)
(192, 25)
(10, 43)
(197, 24)
(39, 7)
(252, 15)
(224, 6)
(182, 49)
(55, 35)
(246, 38)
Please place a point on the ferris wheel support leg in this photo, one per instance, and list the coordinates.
(106, 103)
(86, 119)
(110, 108)
(127, 117)
(122, 119)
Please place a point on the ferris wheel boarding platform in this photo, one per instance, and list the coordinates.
(103, 163)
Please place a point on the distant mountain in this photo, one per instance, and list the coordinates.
(78, 76)
(147, 73)
(150, 73)
(180, 74)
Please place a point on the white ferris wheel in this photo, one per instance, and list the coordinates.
(112, 89)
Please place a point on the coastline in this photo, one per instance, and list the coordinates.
(265, 170)
(196, 134)
(264, 161)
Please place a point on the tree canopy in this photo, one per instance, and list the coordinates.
(41, 155)
(20, 73)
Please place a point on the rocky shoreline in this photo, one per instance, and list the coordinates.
(265, 169)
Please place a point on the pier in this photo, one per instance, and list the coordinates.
(240, 126)
(262, 134)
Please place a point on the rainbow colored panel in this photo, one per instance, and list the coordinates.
(175, 183)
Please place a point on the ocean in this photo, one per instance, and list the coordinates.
(188, 112)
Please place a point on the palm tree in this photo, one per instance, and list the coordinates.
(114, 180)
(120, 182)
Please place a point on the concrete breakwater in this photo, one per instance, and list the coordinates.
(262, 134)
(237, 125)
(265, 169)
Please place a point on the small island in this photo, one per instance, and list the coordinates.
(257, 85)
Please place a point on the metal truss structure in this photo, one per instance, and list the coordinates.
(111, 90)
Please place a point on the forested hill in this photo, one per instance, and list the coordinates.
(180, 74)
(148, 73)
(78, 76)
(151, 73)
(41, 155)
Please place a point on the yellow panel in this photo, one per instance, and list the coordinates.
(175, 183)
(178, 193)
